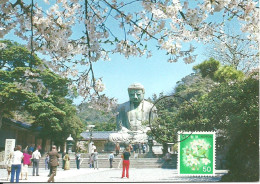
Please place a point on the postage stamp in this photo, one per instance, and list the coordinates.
(196, 154)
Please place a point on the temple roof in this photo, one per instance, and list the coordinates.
(97, 135)
(19, 124)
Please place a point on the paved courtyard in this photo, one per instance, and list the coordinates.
(114, 175)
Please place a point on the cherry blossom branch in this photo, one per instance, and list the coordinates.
(102, 23)
(124, 15)
(88, 43)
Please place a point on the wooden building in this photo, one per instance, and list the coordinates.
(24, 134)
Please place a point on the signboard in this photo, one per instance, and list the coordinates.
(196, 155)
(9, 147)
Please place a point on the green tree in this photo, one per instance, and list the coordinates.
(165, 126)
(25, 87)
(232, 110)
(211, 68)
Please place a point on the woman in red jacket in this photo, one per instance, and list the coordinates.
(126, 162)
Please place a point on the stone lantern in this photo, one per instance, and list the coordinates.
(69, 144)
(150, 153)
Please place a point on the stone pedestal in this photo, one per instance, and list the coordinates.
(150, 153)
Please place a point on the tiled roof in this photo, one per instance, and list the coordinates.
(97, 135)
(23, 125)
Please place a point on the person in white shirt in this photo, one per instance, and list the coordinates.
(36, 159)
(111, 158)
(93, 147)
(17, 157)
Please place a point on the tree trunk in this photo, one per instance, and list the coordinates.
(1, 118)
(165, 148)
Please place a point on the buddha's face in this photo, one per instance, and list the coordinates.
(136, 95)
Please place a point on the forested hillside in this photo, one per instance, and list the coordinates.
(103, 121)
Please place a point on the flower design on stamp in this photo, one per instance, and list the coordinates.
(196, 154)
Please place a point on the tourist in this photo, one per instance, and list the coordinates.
(117, 148)
(111, 158)
(36, 160)
(8, 164)
(31, 148)
(95, 159)
(93, 147)
(91, 160)
(77, 158)
(144, 148)
(140, 148)
(63, 161)
(66, 158)
(26, 162)
(47, 160)
(126, 163)
(135, 147)
(17, 157)
(54, 162)
(131, 147)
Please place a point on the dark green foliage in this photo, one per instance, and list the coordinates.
(212, 69)
(45, 104)
(232, 109)
(176, 111)
(193, 86)
(243, 155)
(208, 68)
(105, 126)
(15, 55)
(228, 106)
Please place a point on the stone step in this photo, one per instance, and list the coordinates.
(103, 162)
(135, 163)
(106, 164)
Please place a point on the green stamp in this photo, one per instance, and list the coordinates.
(196, 155)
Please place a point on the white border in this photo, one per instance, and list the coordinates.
(214, 151)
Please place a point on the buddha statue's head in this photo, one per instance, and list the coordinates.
(136, 92)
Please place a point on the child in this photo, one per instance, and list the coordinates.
(8, 163)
